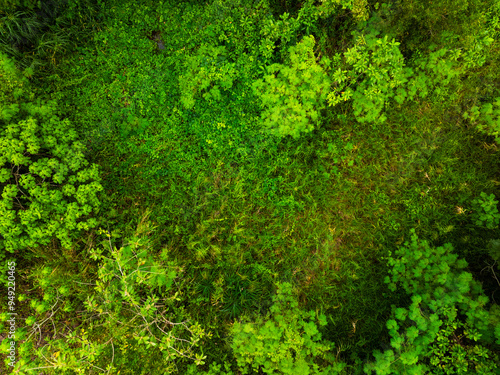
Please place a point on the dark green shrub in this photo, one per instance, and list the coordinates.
(417, 24)
(446, 329)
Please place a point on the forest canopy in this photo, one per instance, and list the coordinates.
(249, 187)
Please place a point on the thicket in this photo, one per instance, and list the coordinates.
(48, 187)
(443, 329)
(231, 203)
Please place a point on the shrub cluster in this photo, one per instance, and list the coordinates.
(49, 190)
(446, 329)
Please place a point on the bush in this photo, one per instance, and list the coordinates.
(486, 118)
(127, 315)
(446, 325)
(207, 71)
(384, 73)
(293, 96)
(288, 342)
(48, 187)
(486, 211)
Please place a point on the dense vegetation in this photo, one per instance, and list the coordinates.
(250, 186)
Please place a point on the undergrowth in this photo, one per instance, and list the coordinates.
(202, 176)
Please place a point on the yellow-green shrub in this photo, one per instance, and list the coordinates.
(48, 188)
(293, 95)
(287, 342)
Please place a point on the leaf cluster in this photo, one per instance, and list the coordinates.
(287, 341)
(293, 95)
(49, 189)
(486, 211)
(446, 329)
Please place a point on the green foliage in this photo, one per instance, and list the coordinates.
(298, 91)
(51, 307)
(386, 76)
(358, 7)
(179, 131)
(384, 72)
(125, 295)
(37, 34)
(49, 190)
(485, 211)
(207, 71)
(446, 326)
(419, 24)
(126, 311)
(486, 118)
(214, 369)
(286, 342)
